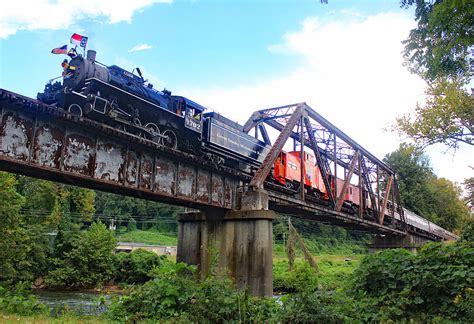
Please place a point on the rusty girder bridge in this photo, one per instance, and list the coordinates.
(236, 207)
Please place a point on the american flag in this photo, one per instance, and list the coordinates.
(60, 50)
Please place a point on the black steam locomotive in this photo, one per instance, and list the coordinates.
(125, 100)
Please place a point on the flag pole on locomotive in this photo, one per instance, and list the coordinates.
(80, 40)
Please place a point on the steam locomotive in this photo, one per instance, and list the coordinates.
(125, 100)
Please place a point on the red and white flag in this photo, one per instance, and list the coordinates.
(80, 40)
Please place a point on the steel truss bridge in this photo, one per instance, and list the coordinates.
(47, 142)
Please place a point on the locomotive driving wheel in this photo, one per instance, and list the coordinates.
(170, 139)
(75, 109)
(154, 132)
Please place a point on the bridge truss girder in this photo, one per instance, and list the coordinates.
(333, 150)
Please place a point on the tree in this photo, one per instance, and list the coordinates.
(85, 260)
(144, 212)
(23, 247)
(438, 50)
(413, 173)
(447, 204)
(469, 184)
(447, 117)
(439, 45)
(436, 199)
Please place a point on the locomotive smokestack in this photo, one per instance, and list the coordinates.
(91, 55)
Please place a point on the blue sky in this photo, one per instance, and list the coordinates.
(343, 58)
(193, 42)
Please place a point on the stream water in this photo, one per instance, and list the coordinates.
(77, 301)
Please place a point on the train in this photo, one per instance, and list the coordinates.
(127, 101)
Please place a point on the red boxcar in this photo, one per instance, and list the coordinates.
(287, 171)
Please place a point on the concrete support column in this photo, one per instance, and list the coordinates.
(240, 240)
(409, 242)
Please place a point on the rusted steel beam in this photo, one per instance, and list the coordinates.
(302, 159)
(365, 176)
(264, 133)
(321, 165)
(334, 159)
(261, 174)
(362, 202)
(252, 121)
(340, 199)
(258, 115)
(385, 199)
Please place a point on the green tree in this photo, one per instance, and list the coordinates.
(437, 49)
(447, 204)
(439, 45)
(86, 259)
(469, 185)
(447, 117)
(23, 247)
(436, 199)
(413, 173)
(144, 212)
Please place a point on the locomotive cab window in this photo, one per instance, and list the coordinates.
(193, 113)
(192, 118)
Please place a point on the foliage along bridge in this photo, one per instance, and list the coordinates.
(236, 208)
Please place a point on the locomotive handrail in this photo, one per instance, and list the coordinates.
(137, 97)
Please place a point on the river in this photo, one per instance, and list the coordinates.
(82, 302)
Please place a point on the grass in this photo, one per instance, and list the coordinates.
(323, 246)
(148, 237)
(45, 319)
(334, 270)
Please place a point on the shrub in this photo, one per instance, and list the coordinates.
(135, 267)
(165, 297)
(467, 234)
(301, 277)
(435, 283)
(175, 295)
(309, 306)
(86, 260)
(19, 300)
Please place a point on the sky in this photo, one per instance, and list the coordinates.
(237, 56)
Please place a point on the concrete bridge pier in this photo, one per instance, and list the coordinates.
(409, 242)
(238, 241)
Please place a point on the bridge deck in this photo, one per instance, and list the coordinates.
(46, 142)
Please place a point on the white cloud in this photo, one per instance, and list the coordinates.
(140, 47)
(61, 14)
(350, 72)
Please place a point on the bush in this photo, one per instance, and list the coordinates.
(19, 300)
(435, 283)
(135, 267)
(309, 306)
(165, 297)
(467, 234)
(86, 259)
(175, 295)
(301, 277)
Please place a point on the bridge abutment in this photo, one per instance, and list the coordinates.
(409, 242)
(238, 241)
